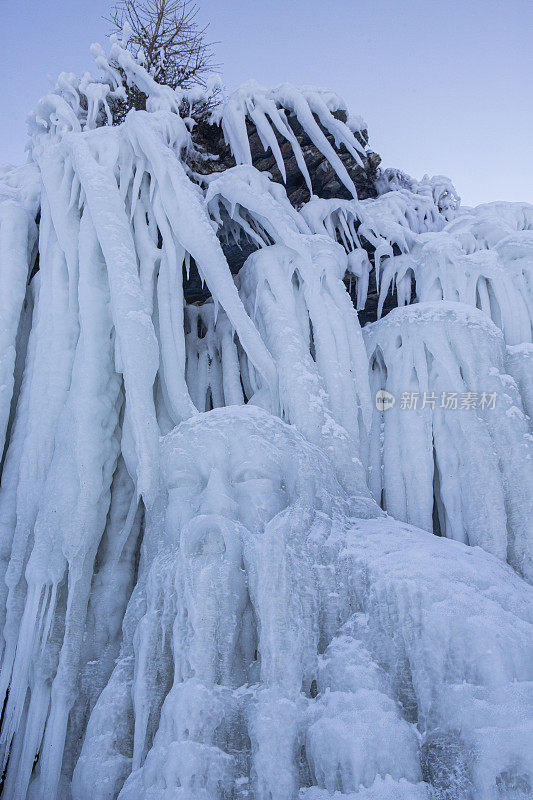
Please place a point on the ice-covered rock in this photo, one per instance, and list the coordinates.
(433, 612)
(316, 112)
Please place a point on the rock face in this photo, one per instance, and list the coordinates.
(209, 139)
(325, 181)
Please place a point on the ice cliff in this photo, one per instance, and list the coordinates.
(248, 548)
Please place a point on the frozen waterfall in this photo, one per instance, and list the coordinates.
(249, 549)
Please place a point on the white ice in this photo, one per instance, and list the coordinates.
(454, 452)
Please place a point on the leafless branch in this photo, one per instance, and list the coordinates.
(166, 35)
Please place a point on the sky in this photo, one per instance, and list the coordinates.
(444, 85)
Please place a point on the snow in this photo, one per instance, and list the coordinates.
(211, 582)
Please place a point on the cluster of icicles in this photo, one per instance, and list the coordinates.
(200, 597)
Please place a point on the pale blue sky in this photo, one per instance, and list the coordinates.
(445, 86)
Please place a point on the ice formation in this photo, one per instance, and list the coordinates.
(268, 109)
(458, 460)
(483, 258)
(254, 630)
(200, 596)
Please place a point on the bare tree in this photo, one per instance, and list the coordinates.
(167, 38)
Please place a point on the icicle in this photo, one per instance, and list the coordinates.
(18, 234)
(445, 447)
(461, 264)
(130, 315)
(309, 390)
(190, 224)
(46, 382)
(252, 100)
(250, 198)
(90, 415)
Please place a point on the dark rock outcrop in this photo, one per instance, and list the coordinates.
(209, 140)
(326, 184)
